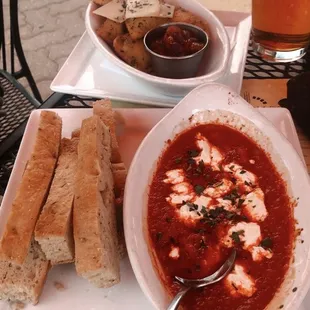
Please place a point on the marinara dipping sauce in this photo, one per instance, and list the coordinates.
(177, 42)
(214, 189)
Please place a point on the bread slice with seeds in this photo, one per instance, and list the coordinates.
(54, 227)
(33, 189)
(94, 219)
(119, 175)
(24, 283)
(103, 109)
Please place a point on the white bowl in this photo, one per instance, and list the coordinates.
(213, 97)
(213, 66)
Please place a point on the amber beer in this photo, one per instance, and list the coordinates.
(281, 28)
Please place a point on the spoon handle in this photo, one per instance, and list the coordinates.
(177, 299)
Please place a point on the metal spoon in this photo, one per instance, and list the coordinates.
(217, 276)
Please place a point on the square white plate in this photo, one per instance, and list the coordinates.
(78, 294)
(88, 73)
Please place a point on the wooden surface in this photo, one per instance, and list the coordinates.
(267, 93)
(228, 5)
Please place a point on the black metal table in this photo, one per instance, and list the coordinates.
(20, 110)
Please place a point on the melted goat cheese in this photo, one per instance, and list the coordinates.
(209, 154)
(202, 201)
(232, 168)
(259, 253)
(244, 177)
(249, 234)
(175, 252)
(182, 192)
(175, 199)
(254, 206)
(239, 282)
(175, 176)
(227, 205)
(182, 188)
(248, 179)
(220, 189)
(186, 213)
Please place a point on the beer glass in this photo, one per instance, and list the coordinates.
(281, 29)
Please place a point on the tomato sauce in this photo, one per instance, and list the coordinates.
(200, 250)
(177, 42)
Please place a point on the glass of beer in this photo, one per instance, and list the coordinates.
(281, 29)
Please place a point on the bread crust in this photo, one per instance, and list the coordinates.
(33, 189)
(94, 219)
(103, 109)
(24, 283)
(54, 227)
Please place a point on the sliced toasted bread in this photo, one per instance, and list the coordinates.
(94, 219)
(54, 227)
(24, 282)
(119, 175)
(33, 189)
(103, 109)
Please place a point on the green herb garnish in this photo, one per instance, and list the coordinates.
(159, 235)
(191, 161)
(201, 164)
(236, 236)
(202, 244)
(243, 218)
(192, 206)
(172, 240)
(230, 215)
(240, 202)
(178, 160)
(242, 172)
(203, 210)
(193, 153)
(199, 189)
(232, 196)
(214, 213)
(266, 243)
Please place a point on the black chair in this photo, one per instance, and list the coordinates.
(16, 103)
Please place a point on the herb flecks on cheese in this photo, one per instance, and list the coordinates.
(239, 282)
(114, 10)
(234, 198)
(121, 10)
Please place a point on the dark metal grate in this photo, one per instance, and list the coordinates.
(257, 68)
(19, 107)
(16, 106)
(7, 163)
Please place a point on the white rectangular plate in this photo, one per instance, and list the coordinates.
(88, 73)
(77, 293)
